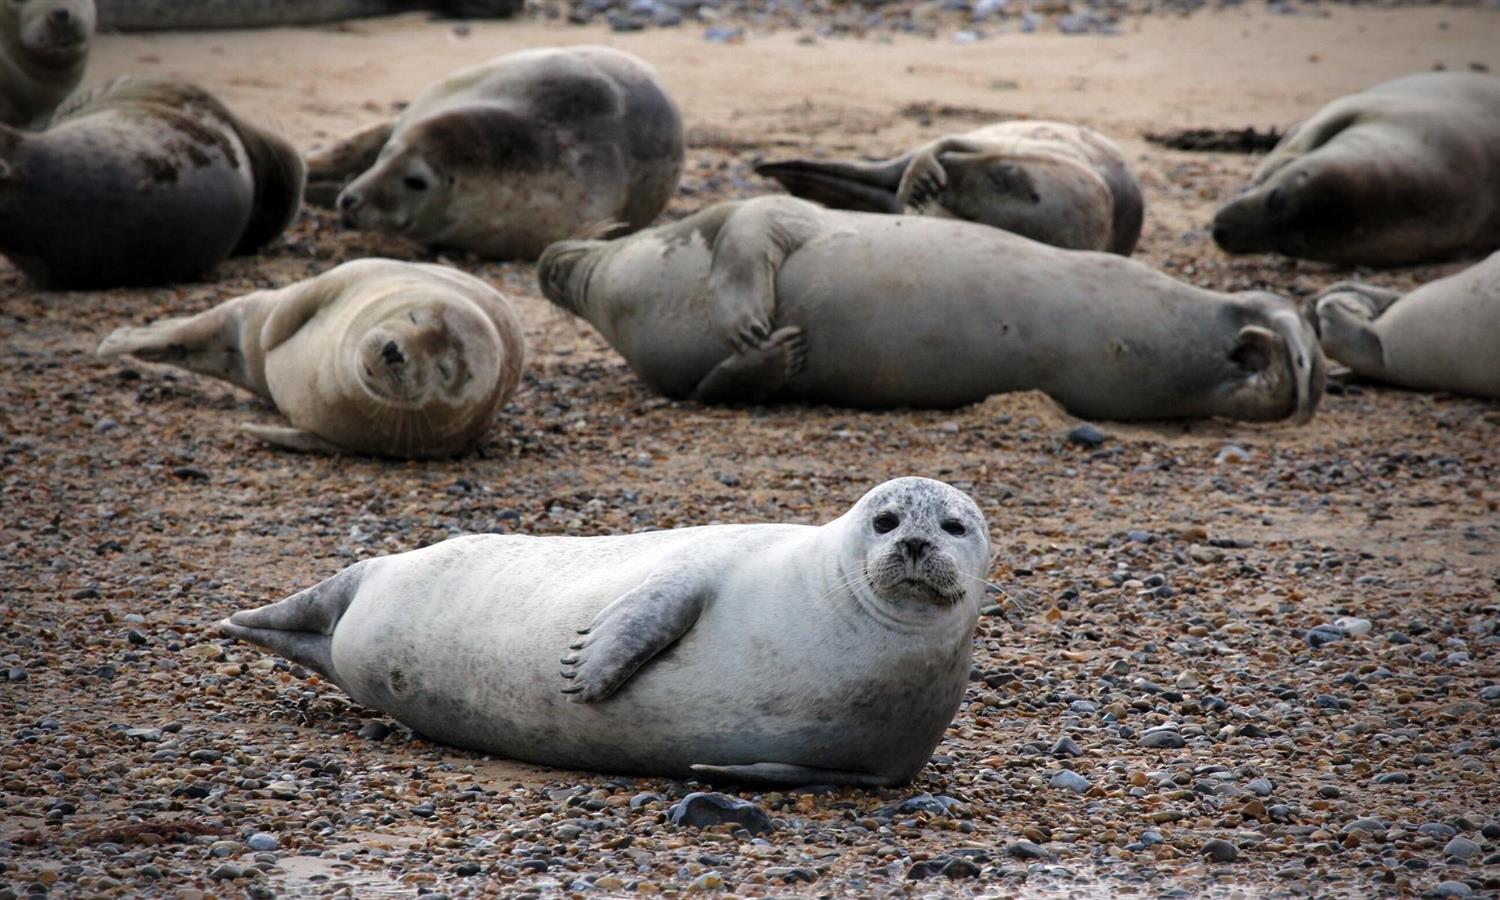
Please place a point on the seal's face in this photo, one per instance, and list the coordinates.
(403, 193)
(52, 32)
(422, 354)
(1281, 370)
(1300, 210)
(923, 543)
(563, 273)
(1055, 201)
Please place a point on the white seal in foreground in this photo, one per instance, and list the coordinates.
(786, 654)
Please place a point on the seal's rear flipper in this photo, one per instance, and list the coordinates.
(863, 187)
(788, 775)
(300, 628)
(290, 438)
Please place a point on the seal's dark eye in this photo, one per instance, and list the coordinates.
(885, 522)
(955, 528)
(414, 183)
(1276, 200)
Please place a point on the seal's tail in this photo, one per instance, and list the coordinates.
(860, 186)
(300, 628)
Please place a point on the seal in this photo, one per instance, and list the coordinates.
(1405, 172)
(674, 645)
(177, 15)
(505, 158)
(44, 48)
(1060, 184)
(778, 299)
(373, 356)
(143, 181)
(1443, 336)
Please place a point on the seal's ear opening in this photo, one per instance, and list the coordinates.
(1255, 349)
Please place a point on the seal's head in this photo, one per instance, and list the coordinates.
(917, 544)
(563, 272)
(1280, 371)
(1054, 200)
(1300, 210)
(432, 177)
(427, 354)
(49, 33)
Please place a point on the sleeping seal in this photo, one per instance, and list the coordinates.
(507, 157)
(775, 298)
(1060, 184)
(373, 356)
(1443, 336)
(1405, 172)
(674, 647)
(142, 181)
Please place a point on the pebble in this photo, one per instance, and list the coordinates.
(226, 872)
(705, 810)
(1452, 889)
(375, 731)
(1461, 847)
(1086, 436)
(1066, 746)
(263, 842)
(1025, 850)
(950, 867)
(1070, 781)
(1163, 738)
(1353, 627)
(1219, 850)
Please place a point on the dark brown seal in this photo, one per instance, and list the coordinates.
(143, 181)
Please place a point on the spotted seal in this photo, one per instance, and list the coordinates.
(1405, 172)
(143, 181)
(507, 157)
(1443, 336)
(1064, 185)
(775, 298)
(374, 356)
(674, 646)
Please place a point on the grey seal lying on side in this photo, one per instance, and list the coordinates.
(373, 356)
(507, 157)
(1060, 184)
(143, 180)
(1405, 172)
(192, 15)
(1443, 336)
(787, 654)
(775, 298)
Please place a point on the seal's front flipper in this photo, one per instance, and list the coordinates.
(860, 186)
(329, 170)
(787, 775)
(1375, 300)
(300, 628)
(1346, 320)
(290, 437)
(630, 631)
(748, 252)
(756, 374)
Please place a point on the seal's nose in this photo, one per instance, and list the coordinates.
(61, 16)
(349, 202)
(1221, 234)
(914, 547)
(392, 353)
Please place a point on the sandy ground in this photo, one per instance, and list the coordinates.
(140, 752)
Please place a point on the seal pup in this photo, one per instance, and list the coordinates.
(778, 299)
(190, 15)
(1064, 185)
(143, 181)
(1405, 172)
(675, 646)
(1443, 336)
(373, 356)
(505, 158)
(44, 48)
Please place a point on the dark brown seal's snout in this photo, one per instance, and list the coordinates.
(392, 354)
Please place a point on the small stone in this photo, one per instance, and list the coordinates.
(1452, 889)
(708, 881)
(704, 810)
(1163, 738)
(1352, 626)
(1222, 851)
(17, 673)
(1260, 787)
(1323, 634)
(950, 867)
(1490, 692)
(226, 872)
(149, 735)
(1187, 680)
(1086, 435)
(1491, 831)
(375, 731)
(1025, 850)
(424, 810)
(263, 842)
(1393, 778)
(137, 638)
(465, 869)
(1461, 847)
(1070, 781)
(789, 874)
(1066, 746)
(225, 849)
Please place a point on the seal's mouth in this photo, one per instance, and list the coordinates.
(931, 580)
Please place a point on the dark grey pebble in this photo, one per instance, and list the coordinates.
(137, 638)
(1070, 781)
(1219, 850)
(1260, 787)
(1452, 889)
(1324, 634)
(1393, 778)
(466, 869)
(1025, 850)
(641, 799)
(703, 810)
(950, 867)
(226, 872)
(424, 810)
(1437, 830)
(1491, 831)
(16, 674)
(375, 731)
(1066, 746)
(1086, 436)
(1163, 738)
(791, 874)
(934, 805)
(262, 842)
(1490, 692)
